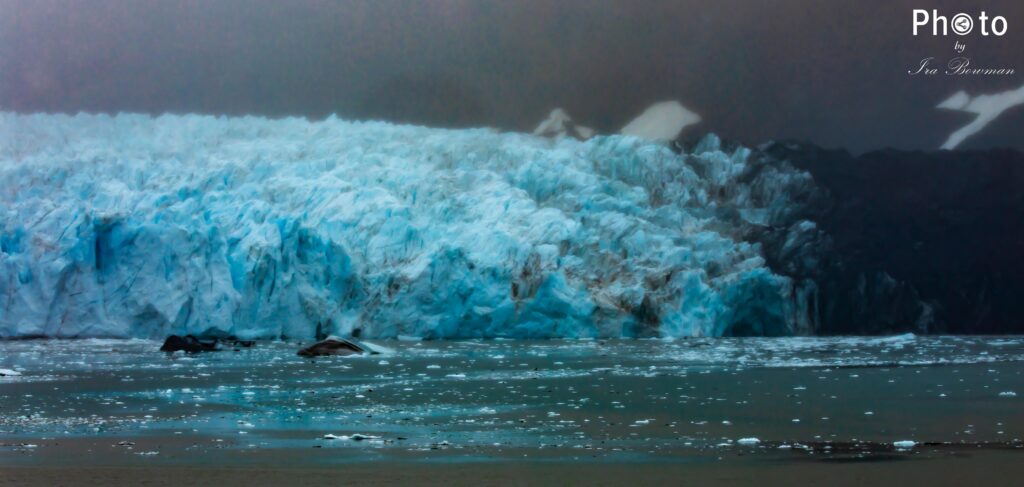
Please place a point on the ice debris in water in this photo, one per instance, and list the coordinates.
(353, 437)
(132, 226)
(9, 372)
(748, 441)
(1007, 394)
(904, 444)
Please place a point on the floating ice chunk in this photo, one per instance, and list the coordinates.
(377, 349)
(9, 372)
(904, 444)
(361, 437)
(353, 437)
(748, 441)
(897, 339)
(1007, 394)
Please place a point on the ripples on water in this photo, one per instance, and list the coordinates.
(623, 399)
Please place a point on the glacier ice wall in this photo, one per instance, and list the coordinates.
(138, 226)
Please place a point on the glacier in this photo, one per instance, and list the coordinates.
(138, 226)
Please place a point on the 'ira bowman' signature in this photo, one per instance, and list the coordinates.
(958, 66)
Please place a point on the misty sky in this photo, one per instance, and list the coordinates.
(829, 71)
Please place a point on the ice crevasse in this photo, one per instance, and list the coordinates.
(135, 226)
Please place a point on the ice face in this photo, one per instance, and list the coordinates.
(136, 226)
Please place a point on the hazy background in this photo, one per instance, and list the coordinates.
(832, 72)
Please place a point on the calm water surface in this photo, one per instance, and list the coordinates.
(696, 400)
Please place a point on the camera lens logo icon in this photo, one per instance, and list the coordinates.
(962, 24)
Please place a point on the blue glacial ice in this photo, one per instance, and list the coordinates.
(133, 226)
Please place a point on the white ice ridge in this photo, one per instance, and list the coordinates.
(986, 107)
(137, 226)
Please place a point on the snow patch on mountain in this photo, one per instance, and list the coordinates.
(986, 107)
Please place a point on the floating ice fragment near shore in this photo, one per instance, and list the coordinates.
(1007, 394)
(353, 437)
(361, 437)
(377, 349)
(9, 373)
(904, 444)
(748, 441)
(895, 339)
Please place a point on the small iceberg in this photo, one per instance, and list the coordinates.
(904, 444)
(354, 437)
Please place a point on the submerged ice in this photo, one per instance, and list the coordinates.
(132, 226)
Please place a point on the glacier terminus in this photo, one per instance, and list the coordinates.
(135, 226)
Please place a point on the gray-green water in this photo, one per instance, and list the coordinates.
(111, 401)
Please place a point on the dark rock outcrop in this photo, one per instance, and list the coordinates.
(888, 241)
(334, 346)
(928, 242)
(189, 344)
